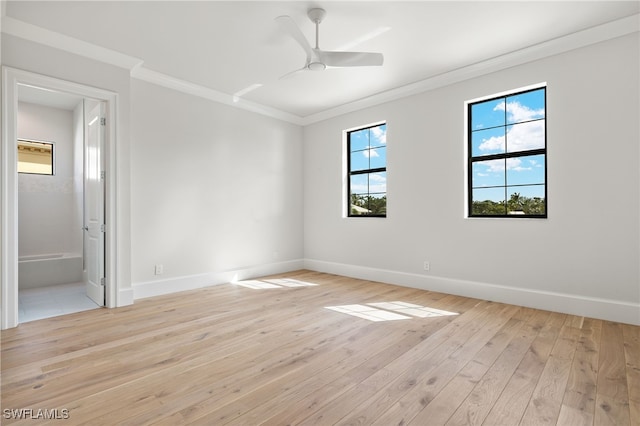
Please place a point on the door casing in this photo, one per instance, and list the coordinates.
(11, 79)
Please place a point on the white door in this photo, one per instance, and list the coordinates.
(94, 217)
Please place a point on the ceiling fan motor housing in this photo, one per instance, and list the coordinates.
(316, 66)
(316, 15)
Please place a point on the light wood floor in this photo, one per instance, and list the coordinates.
(231, 354)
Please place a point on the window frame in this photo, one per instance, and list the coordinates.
(350, 173)
(506, 155)
(53, 156)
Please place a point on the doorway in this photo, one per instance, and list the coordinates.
(18, 86)
(60, 203)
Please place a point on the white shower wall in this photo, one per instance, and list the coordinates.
(49, 207)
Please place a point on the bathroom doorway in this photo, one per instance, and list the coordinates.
(60, 246)
(79, 260)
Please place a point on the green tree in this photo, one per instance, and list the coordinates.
(535, 206)
(516, 203)
(367, 205)
(487, 208)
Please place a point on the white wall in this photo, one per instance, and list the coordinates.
(78, 170)
(214, 189)
(583, 258)
(48, 222)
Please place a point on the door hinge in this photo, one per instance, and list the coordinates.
(103, 121)
(103, 228)
(102, 175)
(103, 281)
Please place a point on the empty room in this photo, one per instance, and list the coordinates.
(332, 212)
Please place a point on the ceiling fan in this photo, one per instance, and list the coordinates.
(317, 59)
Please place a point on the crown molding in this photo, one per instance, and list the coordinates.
(24, 30)
(604, 32)
(154, 77)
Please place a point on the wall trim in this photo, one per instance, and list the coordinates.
(125, 296)
(192, 282)
(24, 30)
(592, 307)
(589, 36)
(141, 73)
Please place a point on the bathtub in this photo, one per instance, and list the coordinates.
(49, 269)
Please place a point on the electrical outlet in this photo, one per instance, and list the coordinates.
(426, 265)
(159, 269)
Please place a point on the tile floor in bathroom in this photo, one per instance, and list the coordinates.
(46, 302)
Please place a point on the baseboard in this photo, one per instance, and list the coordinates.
(607, 309)
(125, 297)
(192, 282)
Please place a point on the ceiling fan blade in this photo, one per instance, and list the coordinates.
(350, 59)
(291, 73)
(290, 26)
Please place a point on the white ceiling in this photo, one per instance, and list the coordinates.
(230, 46)
(46, 97)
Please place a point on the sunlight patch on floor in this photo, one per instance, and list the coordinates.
(413, 310)
(390, 311)
(256, 284)
(290, 282)
(367, 312)
(273, 283)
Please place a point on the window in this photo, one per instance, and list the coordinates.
(367, 171)
(35, 157)
(507, 155)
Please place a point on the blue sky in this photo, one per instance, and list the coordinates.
(369, 151)
(504, 125)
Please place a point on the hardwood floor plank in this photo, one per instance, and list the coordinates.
(260, 362)
(512, 403)
(578, 405)
(612, 396)
(231, 354)
(333, 411)
(482, 393)
(632, 356)
(446, 402)
(446, 359)
(361, 359)
(420, 396)
(546, 400)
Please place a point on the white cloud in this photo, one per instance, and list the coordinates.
(498, 166)
(370, 153)
(516, 165)
(377, 183)
(517, 112)
(380, 134)
(520, 137)
(494, 143)
(526, 136)
(494, 166)
(377, 178)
